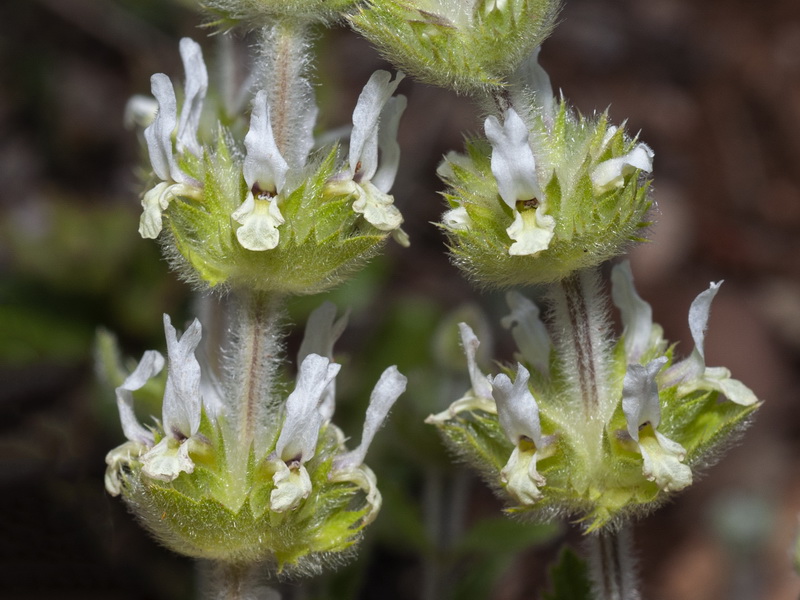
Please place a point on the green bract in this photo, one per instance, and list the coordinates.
(213, 514)
(599, 438)
(236, 473)
(464, 45)
(322, 241)
(586, 199)
(598, 480)
(266, 214)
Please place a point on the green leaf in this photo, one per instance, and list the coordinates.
(501, 535)
(401, 522)
(480, 577)
(31, 336)
(492, 546)
(569, 578)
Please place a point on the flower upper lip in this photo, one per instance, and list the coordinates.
(158, 134)
(375, 121)
(264, 165)
(514, 168)
(513, 162)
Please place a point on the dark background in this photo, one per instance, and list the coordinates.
(714, 88)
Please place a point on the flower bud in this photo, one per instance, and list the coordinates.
(463, 45)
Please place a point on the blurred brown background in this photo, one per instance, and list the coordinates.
(714, 88)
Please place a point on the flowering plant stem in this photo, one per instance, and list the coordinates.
(256, 343)
(222, 581)
(611, 566)
(580, 313)
(580, 317)
(284, 62)
(253, 360)
(237, 472)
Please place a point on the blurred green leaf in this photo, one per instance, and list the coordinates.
(33, 336)
(74, 265)
(501, 535)
(491, 546)
(478, 579)
(400, 522)
(569, 578)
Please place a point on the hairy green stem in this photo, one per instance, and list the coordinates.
(225, 581)
(253, 357)
(583, 342)
(580, 317)
(285, 61)
(612, 567)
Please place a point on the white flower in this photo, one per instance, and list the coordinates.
(158, 136)
(375, 121)
(479, 396)
(182, 400)
(610, 174)
(457, 219)
(140, 111)
(513, 163)
(531, 231)
(259, 218)
(518, 414)
(446, 169)
(481, 385)
(391, 384)
(640, 333)
(116, 459)
(514, 168)
(265, 172)
(532, 76)
(662, 456)
(264, 166)
(181, 411)
(322, 331)
(151, 364)
(350, 465)
(194, 95)
(297, 441)
(642, 336)
(692, 373)
(292, 485)
(528, 330)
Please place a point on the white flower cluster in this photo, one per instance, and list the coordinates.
(307, 411)
(522, 172)
(518, 411)
(375, 122)
(269, 171)
(640, 397)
